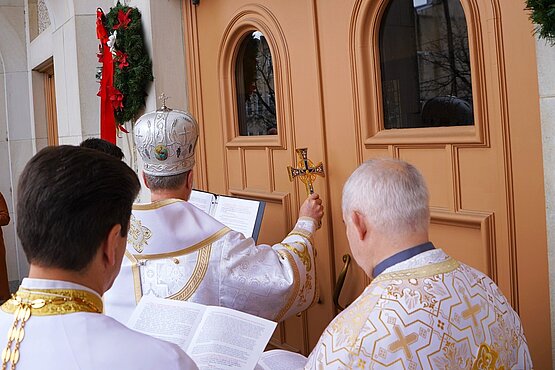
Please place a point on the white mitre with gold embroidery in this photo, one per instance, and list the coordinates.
(166, 140)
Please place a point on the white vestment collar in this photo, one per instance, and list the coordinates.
(422, 259)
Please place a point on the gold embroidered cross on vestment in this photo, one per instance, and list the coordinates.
(403, 342)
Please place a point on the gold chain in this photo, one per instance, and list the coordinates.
(42, 302)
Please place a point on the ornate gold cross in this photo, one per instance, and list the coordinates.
(306, 170)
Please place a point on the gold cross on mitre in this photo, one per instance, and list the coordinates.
(306, 170)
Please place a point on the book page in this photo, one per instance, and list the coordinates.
(278, 359)
(237, 214)
(166, 319)
(202, 200)
(229, 339)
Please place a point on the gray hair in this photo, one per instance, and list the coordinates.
(390, 193)
(172, 182)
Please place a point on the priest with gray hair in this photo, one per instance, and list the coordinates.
(423, 309)
(177, 251)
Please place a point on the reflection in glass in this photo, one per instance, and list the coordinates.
(425, 64)
(254, 75)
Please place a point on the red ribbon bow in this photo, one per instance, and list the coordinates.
(121, 59)
(123, 20)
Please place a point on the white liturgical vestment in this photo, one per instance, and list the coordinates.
(427, 312)
(86, 340)
(175, 250)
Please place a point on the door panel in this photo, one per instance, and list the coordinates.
(255, 166)
(326, 61)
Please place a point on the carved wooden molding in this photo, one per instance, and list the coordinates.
(507, 162)
(194, 89)
(482, 221)
(250, 18)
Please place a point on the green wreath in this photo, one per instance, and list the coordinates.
(542, 13)
(132, 65)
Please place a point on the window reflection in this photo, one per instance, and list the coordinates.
(425, 64)
(254, 75)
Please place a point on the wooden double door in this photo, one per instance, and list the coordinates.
(329, 95)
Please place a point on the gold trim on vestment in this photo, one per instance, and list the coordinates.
(197, 276)
(316, 296)
(41, 302)
(137, 285)
(187, 250)
(204, 248)
(303, 234)
(156, 205)
(55, 301)
(303, 254)
(486, 359)
(428, 270)
(296, 283)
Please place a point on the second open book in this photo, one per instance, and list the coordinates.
(216, 338)
(242, 215)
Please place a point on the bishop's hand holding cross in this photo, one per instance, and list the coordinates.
(307, 172)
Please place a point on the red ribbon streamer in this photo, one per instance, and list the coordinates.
(107, 117)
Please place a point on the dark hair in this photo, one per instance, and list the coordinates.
(68, 200)
(104, 146)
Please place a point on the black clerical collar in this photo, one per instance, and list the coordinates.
(400, 257)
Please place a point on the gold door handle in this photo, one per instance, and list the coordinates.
(341, 281)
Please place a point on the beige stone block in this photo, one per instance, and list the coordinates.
(41, 144)
(18, 106)
(545, 54)
(70, 140)
(11, 249)
(87, 63)
(60, 80)
(12, 39)
(5, 175)
(3, 121)
(20, 153)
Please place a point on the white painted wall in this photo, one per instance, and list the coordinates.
(16, 130)
(71, 42)
(545, 54)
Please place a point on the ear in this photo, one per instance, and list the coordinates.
(144, 180)
(190, 176)
(359, 223)
(111, 245)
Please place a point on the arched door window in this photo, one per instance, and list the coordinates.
(425, 64)
(254, 76)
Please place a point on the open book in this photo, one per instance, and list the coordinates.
(216, 338)
(242, 215)
(278, 359)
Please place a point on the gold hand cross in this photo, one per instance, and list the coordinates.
(306, 170)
